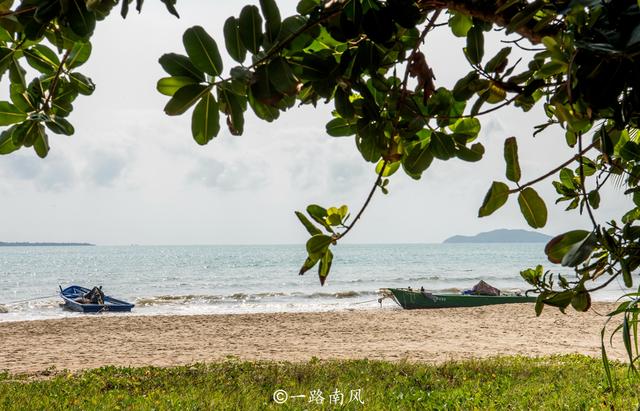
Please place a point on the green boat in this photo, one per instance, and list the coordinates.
(410, 299)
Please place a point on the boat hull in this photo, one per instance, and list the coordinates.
(412, 299)
(111, 304)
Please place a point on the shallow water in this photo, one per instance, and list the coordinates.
(238, 279)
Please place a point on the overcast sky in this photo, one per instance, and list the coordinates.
(132, 175)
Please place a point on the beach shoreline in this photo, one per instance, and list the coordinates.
(432, 336)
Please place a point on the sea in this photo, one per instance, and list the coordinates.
(169, 280)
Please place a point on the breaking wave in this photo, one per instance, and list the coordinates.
(451, 277)
(245, 297)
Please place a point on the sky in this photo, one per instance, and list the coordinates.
(132, 175)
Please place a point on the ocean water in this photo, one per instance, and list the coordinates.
(240, 279)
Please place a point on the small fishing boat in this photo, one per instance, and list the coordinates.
(77, 298)
(410, 299)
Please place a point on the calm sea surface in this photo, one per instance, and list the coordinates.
(239, 279)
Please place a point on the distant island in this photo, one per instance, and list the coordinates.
(3, 244)
(501, 236)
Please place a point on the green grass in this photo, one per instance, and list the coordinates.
(560, 382)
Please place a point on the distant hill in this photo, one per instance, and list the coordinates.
(501, 236)
(44, 244)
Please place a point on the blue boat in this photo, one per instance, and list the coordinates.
(75, 299)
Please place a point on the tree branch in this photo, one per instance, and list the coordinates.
(582, 183)
(366, 203)
(54, 82)
(606, 283)
(555, 170)
(17, 12)
(487, 11)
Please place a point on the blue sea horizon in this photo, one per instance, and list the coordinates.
(217, 279)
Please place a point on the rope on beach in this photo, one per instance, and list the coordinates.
(365, 302)
(4, 308)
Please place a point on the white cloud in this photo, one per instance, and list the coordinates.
(234, 175)
(131, 174)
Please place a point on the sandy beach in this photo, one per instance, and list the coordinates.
(389, 334)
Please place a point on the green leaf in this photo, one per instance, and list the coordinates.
(626, 339)
(325, 266)
(466, 87)
(169, 4)
(6, 141)
(281, 76)
(498, 62)
(10, 114)
(292, 25)
(78, 55)
(307, 6)
(319, 214)
(261, 110)
(522, 17)
(442, 146)
(339, 127)
(605, 359)
(178, 65)
(311, 229)
(594, 199)
(581, 301)
(460, 24)
(559, 299)
(82, 83)
(16, 72)
(41, 141)
(234, 107)
(310, 261)
(232, 41)
(81, 21)
(475, 45)
(389, 170)
(532, 208)
(318, 244)
(532, 275)
(626, 273)
(170, 85)
(28, 132)
(272, 17)
(334, 218)
(20, 98)
(42, 59)
(60, 125)
(250, 28)
(469, 127)
(511, 159)
(570, 248)
(494, 199)
(202, 50)
(472, 154)
(417, 160)
(588, 167)
(566, 177)
(205, 120)
(539, 305)
(184, 98)
(262, 88)
(344, 106)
